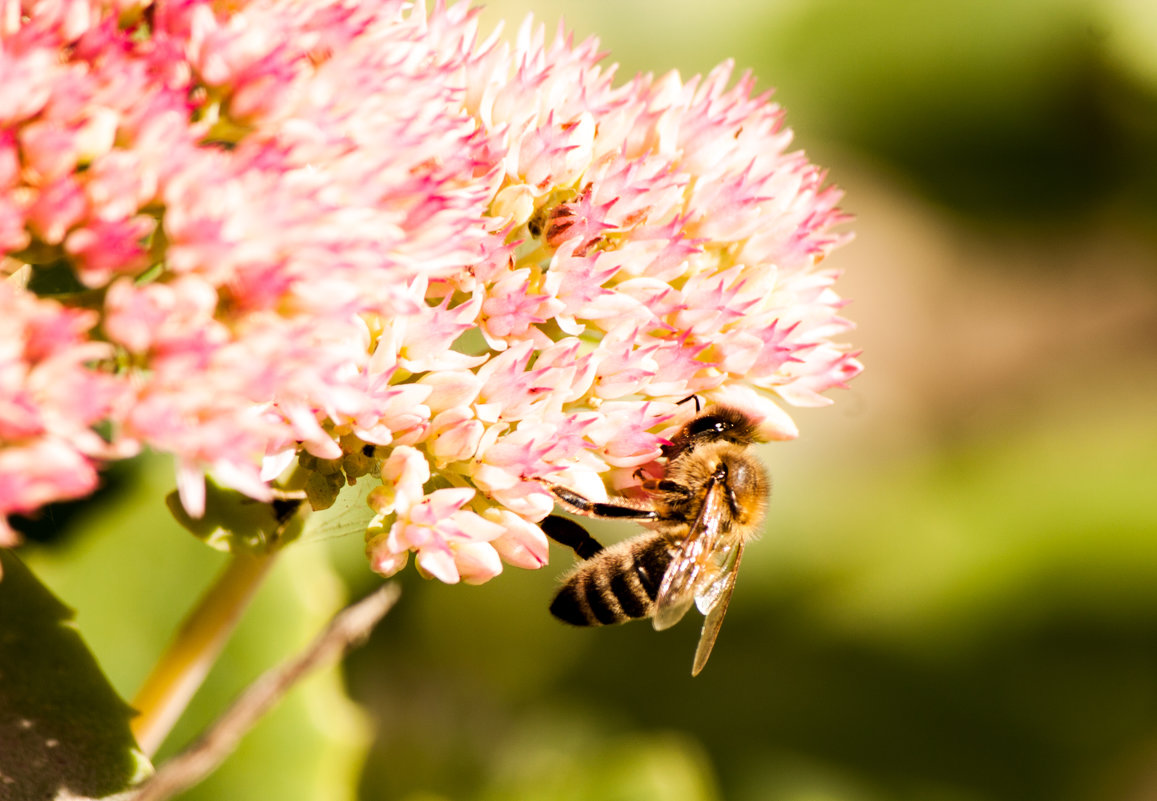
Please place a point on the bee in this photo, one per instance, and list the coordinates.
(699, 515)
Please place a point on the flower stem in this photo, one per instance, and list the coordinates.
(348, 628)
(176, 678)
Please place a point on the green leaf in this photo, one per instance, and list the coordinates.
(63, 728)
(56, 277)
(133, 574)
(348, 513)
(233, 521)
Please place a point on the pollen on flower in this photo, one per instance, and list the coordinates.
(379, 240)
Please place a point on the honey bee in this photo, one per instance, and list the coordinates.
(700, 514)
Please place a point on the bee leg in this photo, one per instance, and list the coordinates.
(566, 532)
(599, 508)
(663, 485)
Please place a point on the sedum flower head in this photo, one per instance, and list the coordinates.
(368, 240)
(49, 400)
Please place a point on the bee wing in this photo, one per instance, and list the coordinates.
(713, 603)
(671, 611)
(694, 563)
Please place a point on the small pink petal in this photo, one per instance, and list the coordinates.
(439, 563)
(522, 543)
(386, 563)
(274, 464)
(477, 562)
(191, 489)
(454, 439)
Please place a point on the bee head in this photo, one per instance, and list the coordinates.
(720, 423)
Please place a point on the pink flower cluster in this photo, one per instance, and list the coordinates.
(363, 238)
(49, 401)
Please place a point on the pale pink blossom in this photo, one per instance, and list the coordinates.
(403, 475)
(521, 543)
(59, 205)
(452, 542)
(454, 436)
(373, 237)
(52, 393)
(103, 249)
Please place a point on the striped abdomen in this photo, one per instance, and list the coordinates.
(615, 585)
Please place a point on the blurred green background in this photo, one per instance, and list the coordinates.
(955, 598)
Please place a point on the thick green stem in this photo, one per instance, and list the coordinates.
(176, 678)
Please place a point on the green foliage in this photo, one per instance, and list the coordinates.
(972, 623)
(566, 763)
(994, 596)
(133, 574)
(62, 726)
(233, 521)
(348, 514)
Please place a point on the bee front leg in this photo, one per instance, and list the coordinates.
(663, 485)
(566, 532)
(591, 508)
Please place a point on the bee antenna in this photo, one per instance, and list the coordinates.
(691, 397)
